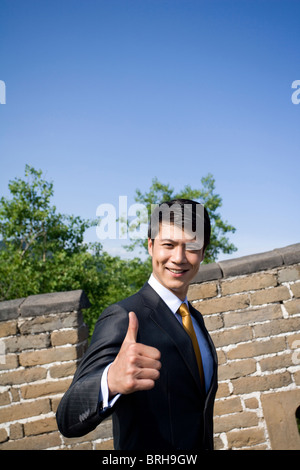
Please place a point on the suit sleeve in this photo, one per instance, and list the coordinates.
(80, 410)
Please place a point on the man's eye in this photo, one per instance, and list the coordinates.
(168, 245)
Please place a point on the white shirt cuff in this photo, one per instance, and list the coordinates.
(104, 391)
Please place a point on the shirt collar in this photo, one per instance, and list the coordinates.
(172, 301)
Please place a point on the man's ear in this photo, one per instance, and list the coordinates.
(150, 246)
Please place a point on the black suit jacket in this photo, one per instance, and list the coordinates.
(176, 414)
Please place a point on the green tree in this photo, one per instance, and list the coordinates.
(43, 251)
(160, 192)
(36, 241)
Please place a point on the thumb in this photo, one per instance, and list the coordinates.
(133, 327)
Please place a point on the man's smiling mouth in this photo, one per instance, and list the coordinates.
(177, 271)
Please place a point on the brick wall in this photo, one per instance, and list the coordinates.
(251, 307)
(42, 338)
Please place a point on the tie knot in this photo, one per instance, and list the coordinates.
(183, 310)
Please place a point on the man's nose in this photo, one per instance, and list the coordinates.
(179, 255)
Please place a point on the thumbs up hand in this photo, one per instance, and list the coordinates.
(136, 367)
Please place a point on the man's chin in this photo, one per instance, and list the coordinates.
(177, 286)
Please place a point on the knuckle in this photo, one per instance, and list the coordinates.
(133, 348)
(131, 371)
(130, 384)
(132, 360)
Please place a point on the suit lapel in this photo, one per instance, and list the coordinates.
(164, 318)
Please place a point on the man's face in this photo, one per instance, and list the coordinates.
(174, 261)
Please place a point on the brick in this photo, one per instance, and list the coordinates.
(232, 336)
(256, 348)
(44, 441)
(8, 328)
(253, 282)
(24, 410)
(297, 377)
(202, 291)
(3, 435)
(46, 388)
(21, 376)
(289, 274)
(274, 294)
(82, 446)
(46, 356)
(63, 370)
(230, 405)
(295, 358)
(249, 316)
(293, 341)
(276, 362)
(223, 304)
(72, 336)
(218, 443)
(221, 357)
(16, 431)
(276, 327)
(46, 323)
(4, 398)
(23, 342)
(15, 394)
(105, 445)
(292, 306)
(251, 403)
(279, 413)
(261, 383)
(236, 420)
(55, 401)
(10, 362)
(223, 390)
(213, 322)
(296, 289)
(235, 369)
(245, 437)
(40, 426)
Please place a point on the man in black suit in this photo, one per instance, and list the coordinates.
(151, 362)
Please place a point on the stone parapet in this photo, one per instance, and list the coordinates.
(251, 307)
(42, 339)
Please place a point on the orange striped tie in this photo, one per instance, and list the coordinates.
(188, 326)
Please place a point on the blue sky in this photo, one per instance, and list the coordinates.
(105, 95)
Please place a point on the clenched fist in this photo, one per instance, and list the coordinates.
(136, 367)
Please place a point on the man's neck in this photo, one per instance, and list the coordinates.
(180, 294)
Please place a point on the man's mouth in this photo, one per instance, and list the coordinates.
(177, 272)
